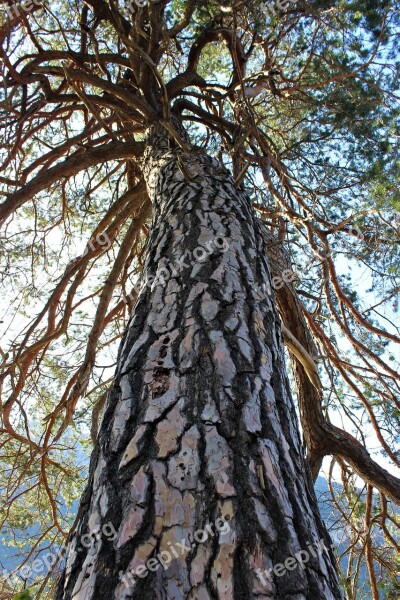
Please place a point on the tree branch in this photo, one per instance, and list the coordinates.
(71, 166)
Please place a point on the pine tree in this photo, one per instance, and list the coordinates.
(199, 183)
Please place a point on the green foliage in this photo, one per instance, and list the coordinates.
(24, 595)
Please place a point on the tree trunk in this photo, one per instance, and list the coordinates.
(198, 484)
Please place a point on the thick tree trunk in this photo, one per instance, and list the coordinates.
(198, 485)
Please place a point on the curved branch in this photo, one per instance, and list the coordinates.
(71, 166)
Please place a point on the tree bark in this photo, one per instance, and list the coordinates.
(199, 430)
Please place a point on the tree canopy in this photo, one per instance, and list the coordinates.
(301, 103)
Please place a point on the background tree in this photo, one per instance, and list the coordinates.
(301, 106)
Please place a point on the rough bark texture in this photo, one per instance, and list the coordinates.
(200, 424)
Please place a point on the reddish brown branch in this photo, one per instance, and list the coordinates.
(69, 167)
